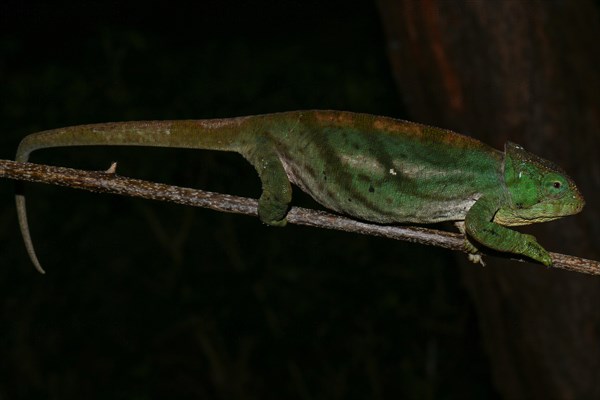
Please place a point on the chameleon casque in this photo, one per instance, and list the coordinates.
(369, 167)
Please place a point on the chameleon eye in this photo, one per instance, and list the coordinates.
(555, 184)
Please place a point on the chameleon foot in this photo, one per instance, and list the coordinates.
(474, 255)
(476, 259)
(272, 211)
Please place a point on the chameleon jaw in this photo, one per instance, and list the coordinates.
(536, 214)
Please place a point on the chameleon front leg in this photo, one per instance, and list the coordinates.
(480, 226)
(276, 194)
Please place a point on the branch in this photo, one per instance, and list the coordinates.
(109, 182)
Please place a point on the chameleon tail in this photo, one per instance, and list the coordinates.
(227, 135)
(22, 215)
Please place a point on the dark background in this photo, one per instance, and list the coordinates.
(148, 300)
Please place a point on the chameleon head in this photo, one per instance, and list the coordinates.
(536, 189)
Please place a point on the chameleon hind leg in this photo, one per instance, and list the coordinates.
(276, 188)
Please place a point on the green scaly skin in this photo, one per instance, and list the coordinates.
(372, 168)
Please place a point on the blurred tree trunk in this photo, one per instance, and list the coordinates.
(526, 71)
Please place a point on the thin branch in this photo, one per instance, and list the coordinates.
(109, 182)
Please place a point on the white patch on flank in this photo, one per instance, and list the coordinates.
(168, 131)
(520, 174)
(417, 170)
(361, 162)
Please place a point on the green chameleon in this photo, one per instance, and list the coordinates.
(372, 168)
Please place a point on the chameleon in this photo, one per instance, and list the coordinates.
(372, 168)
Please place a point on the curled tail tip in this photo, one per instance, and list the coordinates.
(22, 217)
(38, 266)
(31, 252)
(33, 256)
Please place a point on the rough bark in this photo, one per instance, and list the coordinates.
(524, 71)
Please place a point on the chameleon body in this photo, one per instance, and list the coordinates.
(372, 168)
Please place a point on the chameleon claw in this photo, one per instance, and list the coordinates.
(476, 259)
